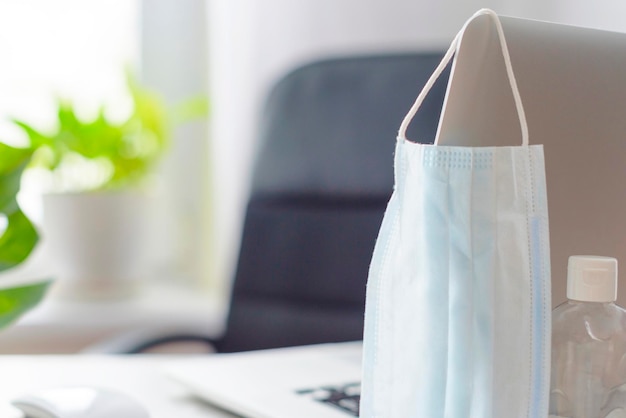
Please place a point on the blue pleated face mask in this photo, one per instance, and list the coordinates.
(458, 302)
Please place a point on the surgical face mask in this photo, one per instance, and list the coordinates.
(457, 318)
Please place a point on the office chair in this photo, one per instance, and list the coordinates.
(322, 179)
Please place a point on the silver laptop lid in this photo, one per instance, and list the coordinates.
(573, 85)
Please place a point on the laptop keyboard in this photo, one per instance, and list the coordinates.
(344, 397)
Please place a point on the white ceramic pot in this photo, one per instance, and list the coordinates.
(96, 242)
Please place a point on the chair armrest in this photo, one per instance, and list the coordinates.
(151, 342)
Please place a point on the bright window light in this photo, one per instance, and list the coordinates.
(75, 49)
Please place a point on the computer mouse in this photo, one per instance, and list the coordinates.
(79, 402)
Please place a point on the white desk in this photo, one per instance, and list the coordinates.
(139, 376)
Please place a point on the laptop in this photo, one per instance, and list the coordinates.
(317, 381)
(572, 82)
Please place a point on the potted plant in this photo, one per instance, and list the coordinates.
(18, 237)
(97, 219)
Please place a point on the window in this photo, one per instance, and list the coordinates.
(79, 49)
(67, 48)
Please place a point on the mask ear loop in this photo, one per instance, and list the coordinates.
(454, 47)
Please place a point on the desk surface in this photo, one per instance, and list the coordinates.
(139, 376)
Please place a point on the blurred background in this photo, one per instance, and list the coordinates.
(186, 53)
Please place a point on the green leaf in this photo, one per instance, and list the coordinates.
(18, 240)
(132, 147)
(12, 164)
(13, 159)
(19, 237)
(15, 301)
(37, 139)
(67, 116)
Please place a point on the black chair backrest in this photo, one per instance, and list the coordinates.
(322, 180)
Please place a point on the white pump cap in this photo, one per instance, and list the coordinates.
(592, 278)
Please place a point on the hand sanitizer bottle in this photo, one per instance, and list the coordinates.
(588, 377)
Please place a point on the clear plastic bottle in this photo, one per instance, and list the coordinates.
(588, 377)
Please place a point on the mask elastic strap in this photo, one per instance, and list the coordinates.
(448, 57)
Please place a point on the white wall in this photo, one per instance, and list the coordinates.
(599, 14)
(252, 43)
(174, 61)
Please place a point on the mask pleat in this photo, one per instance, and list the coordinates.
(484, 242)
(458, 165)
(423, 287)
